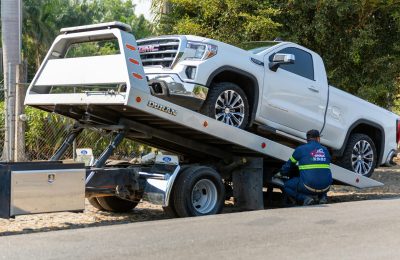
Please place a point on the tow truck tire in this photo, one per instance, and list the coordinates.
(170, 210)
(359, 155)
(227, 102)
(95, 203)
(199, 191)
(116, 204)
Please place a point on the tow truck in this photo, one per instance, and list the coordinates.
(207, 160)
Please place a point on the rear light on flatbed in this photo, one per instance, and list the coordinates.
(397, 130)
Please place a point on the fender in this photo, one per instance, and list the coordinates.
(243, 73)
(353, 126)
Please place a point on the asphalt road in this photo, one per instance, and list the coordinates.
(354, 230)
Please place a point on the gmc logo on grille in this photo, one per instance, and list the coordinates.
(148, 48)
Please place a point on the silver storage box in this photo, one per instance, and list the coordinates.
(43, 187)
(47, 191)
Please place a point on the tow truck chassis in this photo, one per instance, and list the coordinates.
(214, 154)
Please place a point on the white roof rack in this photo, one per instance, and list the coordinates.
(94, 27)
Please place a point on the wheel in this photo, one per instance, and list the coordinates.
(170, 210)
(116, 204)
(93, 201)
(359, 155)
(199, 191)
(227, 102)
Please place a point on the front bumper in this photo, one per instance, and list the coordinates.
(171, 88)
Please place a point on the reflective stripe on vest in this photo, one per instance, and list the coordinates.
(313, 166)
(292, 159)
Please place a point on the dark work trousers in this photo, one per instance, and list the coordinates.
(296, 189)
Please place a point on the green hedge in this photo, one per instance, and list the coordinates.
(45, 132)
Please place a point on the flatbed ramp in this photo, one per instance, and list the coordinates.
(146, 118)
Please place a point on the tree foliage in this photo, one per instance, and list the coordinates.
(226, 20)
(45, 133)
(44, 18)
(358, 40)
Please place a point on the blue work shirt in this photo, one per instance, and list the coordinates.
(313, 161)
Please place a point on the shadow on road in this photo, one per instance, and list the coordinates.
(361, 196)
(54, 221)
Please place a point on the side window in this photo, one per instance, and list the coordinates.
(303, 65)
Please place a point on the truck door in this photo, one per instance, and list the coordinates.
(294, 97)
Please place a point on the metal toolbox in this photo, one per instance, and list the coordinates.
(39, 187)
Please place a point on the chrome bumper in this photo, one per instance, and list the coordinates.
(170, 87)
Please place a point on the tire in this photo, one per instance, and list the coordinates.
(170, 210)
(227, 102)
(199, 191)
(95, 203)
(116, 204)
(360, 155)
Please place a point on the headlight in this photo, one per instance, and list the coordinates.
(199, 51)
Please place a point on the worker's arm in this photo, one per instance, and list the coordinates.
(291, 163)
(328, 155)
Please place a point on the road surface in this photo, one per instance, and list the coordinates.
(354, 230)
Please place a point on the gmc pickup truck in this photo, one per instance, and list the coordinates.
(270, 88)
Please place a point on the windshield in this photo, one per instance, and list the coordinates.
(257, 47)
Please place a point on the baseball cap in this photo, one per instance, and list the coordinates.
(312, 134)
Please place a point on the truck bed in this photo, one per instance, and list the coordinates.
(152, 130)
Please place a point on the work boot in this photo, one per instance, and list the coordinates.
(323, 200)
(288, 201)
(308, 201)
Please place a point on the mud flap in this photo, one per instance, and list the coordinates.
(160, 179)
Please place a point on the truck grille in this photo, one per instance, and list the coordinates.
(155, 52)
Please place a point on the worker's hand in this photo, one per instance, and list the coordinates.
(280, 176)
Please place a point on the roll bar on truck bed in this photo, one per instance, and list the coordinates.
(111, 92)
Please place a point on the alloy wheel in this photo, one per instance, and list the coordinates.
(230, 108)
(362, 157)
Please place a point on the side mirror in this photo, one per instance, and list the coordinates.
(281, 58)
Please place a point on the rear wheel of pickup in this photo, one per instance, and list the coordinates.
(93, 201)
(116, 204)
(359, 155)
(227, 102)
(198, 191)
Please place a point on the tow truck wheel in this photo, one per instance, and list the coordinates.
(116, 204)
(199, 191)
(170, 210)
(227, 102)
(95, 203)
(359, 155)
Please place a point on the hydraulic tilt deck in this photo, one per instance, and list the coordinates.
(111, 92)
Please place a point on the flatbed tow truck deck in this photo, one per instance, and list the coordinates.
(119, 100)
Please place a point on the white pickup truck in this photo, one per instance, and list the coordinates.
(277, 88)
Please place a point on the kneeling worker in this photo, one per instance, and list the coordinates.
(315, 179)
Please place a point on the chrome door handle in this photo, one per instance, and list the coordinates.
(313, 89)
